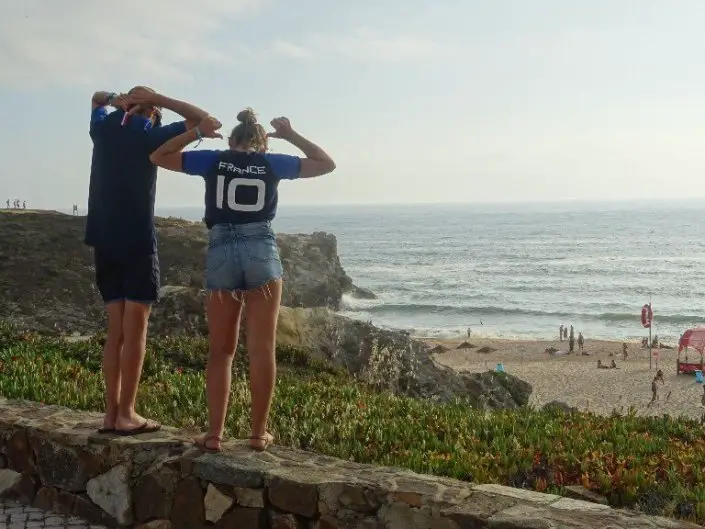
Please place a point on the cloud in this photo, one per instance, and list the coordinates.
(292, 51)
(369, 45)
(77, 42)
(362, 44)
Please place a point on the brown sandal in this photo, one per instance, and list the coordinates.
(202, 443)
(267, 438)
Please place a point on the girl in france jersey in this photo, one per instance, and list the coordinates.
(242, 264)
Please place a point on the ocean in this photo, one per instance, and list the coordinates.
(517, 271)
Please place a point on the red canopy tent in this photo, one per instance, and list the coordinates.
(692, 338)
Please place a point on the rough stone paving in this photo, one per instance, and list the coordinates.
(53, 459)
(16, 516)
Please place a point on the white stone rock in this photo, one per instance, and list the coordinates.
(8, 480)
(216, 503)
(569, 504)
(111, 492)
(530, 496)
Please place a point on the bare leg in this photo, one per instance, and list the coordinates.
(224, 310)
(135, 320)
(111, 363)
(262, 313)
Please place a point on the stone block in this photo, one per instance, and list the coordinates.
(19, 453)
(477, 509)
(188, 512)
(578, 492)
(9, 480)
(243, 518)
(153, 494)
(68, 467)
(220, 469)
(45, 498)
(111, 492)
(569, 504)
(279, 520)
(156, 524)
(26, 489)
(249, 497)
(215, 504)
(293, 497)
(528, 496)
(85, 509)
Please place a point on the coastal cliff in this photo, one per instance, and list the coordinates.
(47, 274)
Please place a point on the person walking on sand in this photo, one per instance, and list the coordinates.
(654, 386)
(581, 342)
(120, 229)
(242, 264)
(560, 333)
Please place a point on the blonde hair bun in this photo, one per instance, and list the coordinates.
(247, 117)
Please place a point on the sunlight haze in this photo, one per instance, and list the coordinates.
(444, 101)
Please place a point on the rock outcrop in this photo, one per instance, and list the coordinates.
(47, 273)
(161, 481)
(394, 361)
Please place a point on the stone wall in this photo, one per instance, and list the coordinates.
(53, 458)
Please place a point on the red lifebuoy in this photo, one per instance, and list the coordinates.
(646, 316)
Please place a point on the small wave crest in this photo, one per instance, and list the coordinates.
(376, 307)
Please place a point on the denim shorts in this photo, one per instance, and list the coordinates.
(242, 256)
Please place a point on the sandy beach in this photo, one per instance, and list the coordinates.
(576, 380)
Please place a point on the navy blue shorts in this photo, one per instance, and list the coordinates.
(242, 256)
(127, 278)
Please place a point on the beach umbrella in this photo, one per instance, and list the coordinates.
(694, 338)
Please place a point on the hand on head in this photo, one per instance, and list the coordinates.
(282, 128)
(209, 126)
(141, 98)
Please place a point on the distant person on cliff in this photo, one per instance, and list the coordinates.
(242, 264)
(120, 228)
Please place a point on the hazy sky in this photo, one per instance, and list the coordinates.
(444, 100)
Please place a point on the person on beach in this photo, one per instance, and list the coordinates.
(242, 264)
(625, 353)
(654, 386)
(581, 342)
(560, 333)
(120, 229)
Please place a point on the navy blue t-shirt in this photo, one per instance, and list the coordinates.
(123, 182)
(241, 187)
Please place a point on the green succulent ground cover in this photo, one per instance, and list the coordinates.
(654, 464)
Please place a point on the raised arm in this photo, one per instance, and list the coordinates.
(102, 99)
(171, 156)
(317, 161)
(141, 95)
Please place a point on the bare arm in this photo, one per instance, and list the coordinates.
(191, 113)
(168, 155)
(317, 161)
(104, 99)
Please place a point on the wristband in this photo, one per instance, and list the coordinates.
(199, 136)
